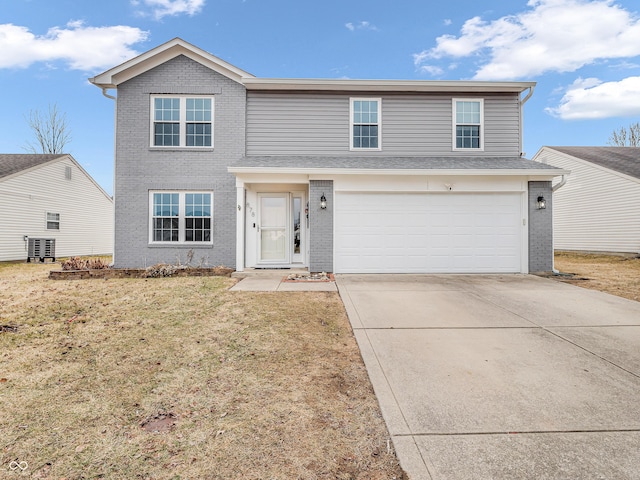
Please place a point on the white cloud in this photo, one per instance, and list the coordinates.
(447, 22)
(162, 8)
(80, 47)
(432, 70)
(590, 99)
(552, 35)
(361, 26)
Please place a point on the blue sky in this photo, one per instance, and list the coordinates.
(585, 55)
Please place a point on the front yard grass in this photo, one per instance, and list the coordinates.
(171, 378)
(614, 274)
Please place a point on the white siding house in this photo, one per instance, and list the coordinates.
(598, 209)
(53, 197)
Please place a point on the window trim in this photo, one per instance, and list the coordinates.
(454, 108)
(182, 122)
(352, 123)
(181, 218)
(47, 221)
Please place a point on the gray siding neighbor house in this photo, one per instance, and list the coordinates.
(346, 176)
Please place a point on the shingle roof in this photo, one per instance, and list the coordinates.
(393, 163)
(16, 162)
(621, 159)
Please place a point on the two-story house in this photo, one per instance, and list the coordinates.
(344, 176)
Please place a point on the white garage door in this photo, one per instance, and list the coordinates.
(428, 233)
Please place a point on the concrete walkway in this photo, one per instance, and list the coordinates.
(501, 377)
(275, 281)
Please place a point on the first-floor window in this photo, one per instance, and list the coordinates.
(181, 217)
(53, 221)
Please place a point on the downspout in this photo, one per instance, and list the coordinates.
(522, 102)
(104, 92)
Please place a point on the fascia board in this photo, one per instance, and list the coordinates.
(309, 84)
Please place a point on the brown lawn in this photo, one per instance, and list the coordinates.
(169, 378)
(618, 275)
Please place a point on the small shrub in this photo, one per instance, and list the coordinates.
(77, 263)
(160, 270)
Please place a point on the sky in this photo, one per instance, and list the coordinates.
(584, 56)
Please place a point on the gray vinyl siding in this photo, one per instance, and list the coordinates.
(421, 125)
(140, 168)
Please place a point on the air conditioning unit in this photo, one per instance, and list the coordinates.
(41, 248)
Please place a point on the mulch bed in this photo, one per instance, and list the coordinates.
(137, 273)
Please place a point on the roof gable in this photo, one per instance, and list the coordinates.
(161, 54)
(620, 159)
(11, 164)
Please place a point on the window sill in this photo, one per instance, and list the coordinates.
(180, 245)
(181, 149)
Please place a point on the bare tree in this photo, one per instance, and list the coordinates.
(626, 137)
(50, 130)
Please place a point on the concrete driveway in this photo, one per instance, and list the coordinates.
(501, 377)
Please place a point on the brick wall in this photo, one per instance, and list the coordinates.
(540, 228)
(140, 168)
(321, 226)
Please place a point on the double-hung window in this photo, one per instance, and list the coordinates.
(181, 217)
(468, 119)
(181, 121)
(365, 123)
(53, 221)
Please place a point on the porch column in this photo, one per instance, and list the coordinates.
(241, 205)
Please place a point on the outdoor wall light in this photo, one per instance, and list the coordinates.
(542, 203)
(323, 201)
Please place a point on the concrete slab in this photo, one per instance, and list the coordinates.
(429, 309)
(562, 305)
(540, 456)
(501, 376)
(618, 345)
(274, 282)
(257, 284)
(502, 380)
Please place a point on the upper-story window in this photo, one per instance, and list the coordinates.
(181, 121)
(468, 124)
(365, 123)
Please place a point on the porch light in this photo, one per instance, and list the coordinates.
(323, 201)
(542, 203)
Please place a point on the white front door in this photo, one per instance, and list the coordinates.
(281, 228)
(273, 228)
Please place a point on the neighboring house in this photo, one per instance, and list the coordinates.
(52, 197)
(346, 176)
(598, 208)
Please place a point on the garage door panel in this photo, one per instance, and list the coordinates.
(427, 233)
